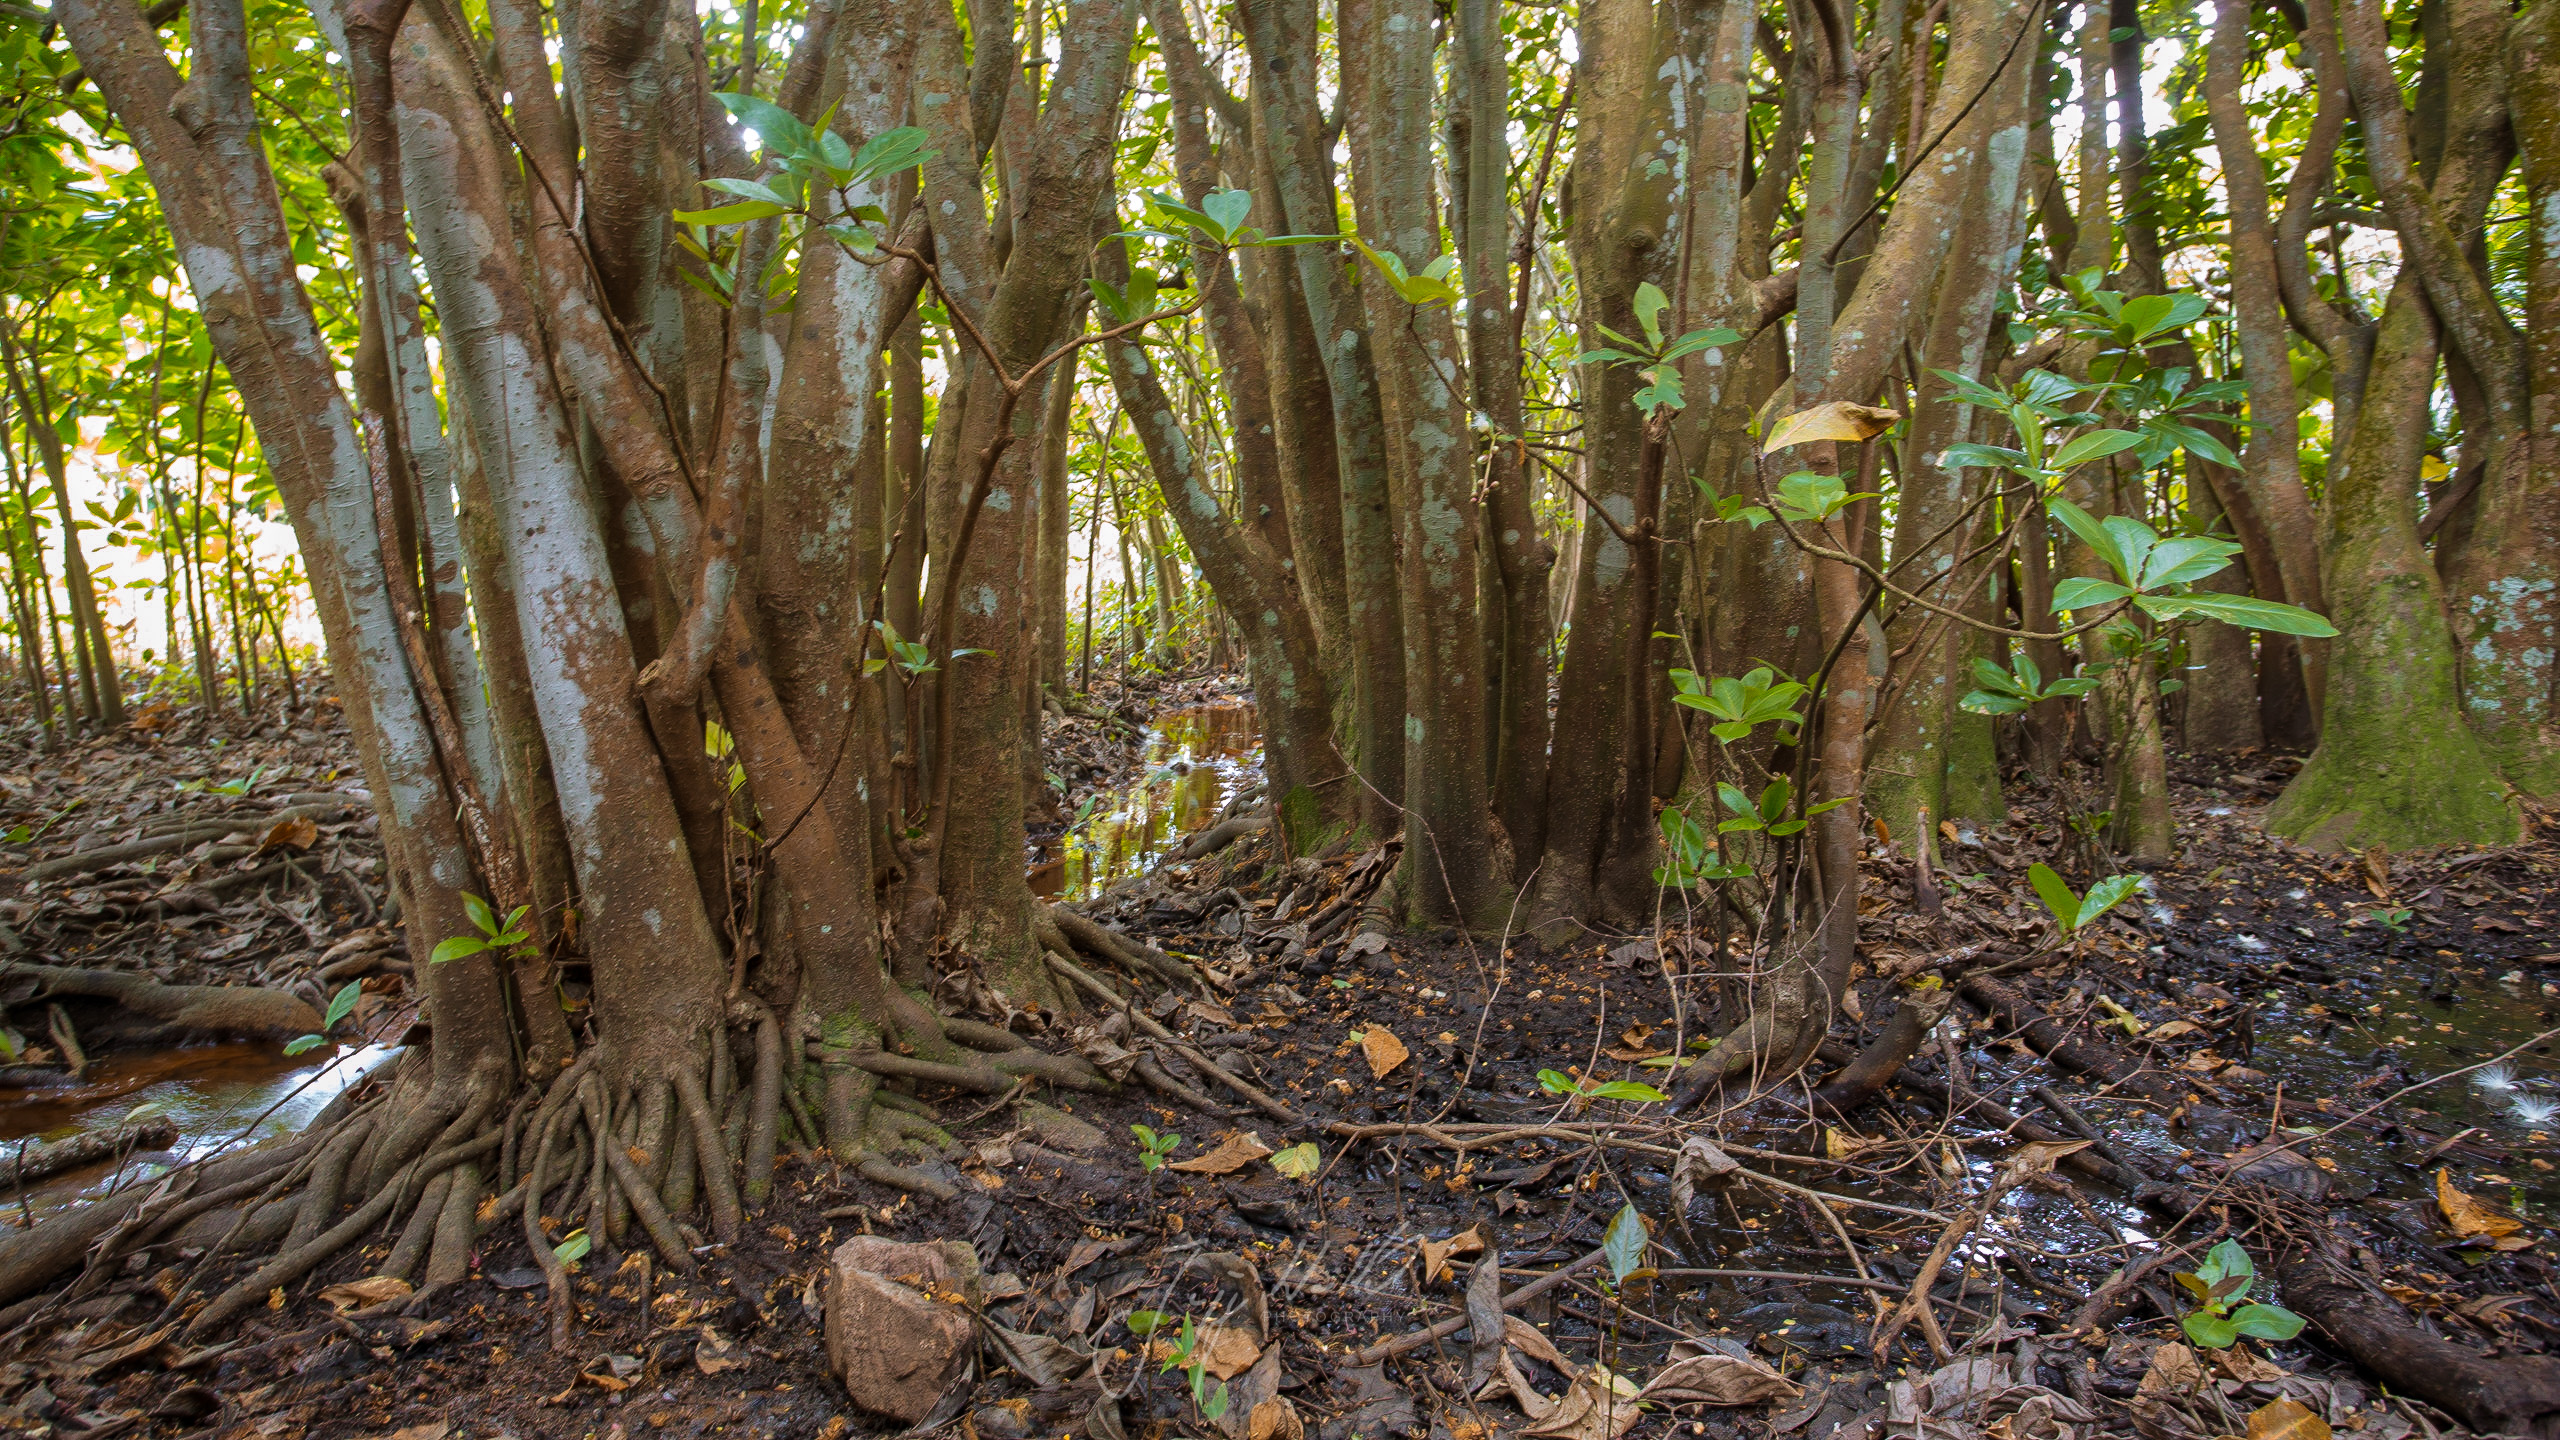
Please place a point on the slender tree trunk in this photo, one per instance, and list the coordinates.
(2271, 473)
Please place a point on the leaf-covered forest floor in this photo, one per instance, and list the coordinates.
(2251, 1040)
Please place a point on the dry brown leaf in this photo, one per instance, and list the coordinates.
(1529, 1340)
(1600, 1406)
(2286, 1420)
(2472, 1220)
(714, 1354)
(2171, 1030)
(296, 833)
(1831, 420)
(1721, 1380)
(1239, 1149)
(1436, 1254)
(2174, 1371)
(1384, 1050)
(2242, 1364)
(2040, 1156)
(1275, 1419)
(359, 1294)
(1226, 1350)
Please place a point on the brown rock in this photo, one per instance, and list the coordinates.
(896, 1335)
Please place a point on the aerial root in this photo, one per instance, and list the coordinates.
(293, 1264)
(411, 1247)
(456, 1224)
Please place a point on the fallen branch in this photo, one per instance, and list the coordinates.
(2038, 1159)
(2511, 1395)
(35, 1161)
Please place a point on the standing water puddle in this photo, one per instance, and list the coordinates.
(1196, 761)
(212, 1093)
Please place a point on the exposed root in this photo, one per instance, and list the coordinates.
(411, 1247)
(293, 1264)
(764, 1109)
(449, 1260)
(1080, 931)
(644, 1201)
(1164, 1084)
(710, 1157)
(554, 1273)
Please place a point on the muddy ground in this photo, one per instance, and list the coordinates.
(2253, 991)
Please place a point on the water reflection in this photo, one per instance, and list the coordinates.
(212, 1093)
(1196, 761)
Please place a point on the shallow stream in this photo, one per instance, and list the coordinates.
(214, 1094)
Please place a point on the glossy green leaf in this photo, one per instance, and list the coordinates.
(2056, 895)
(2081, 593)
(738, 214)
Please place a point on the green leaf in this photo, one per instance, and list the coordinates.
(853, 237)
(2194, 441)
(1697, 340)
(1981, 703)
(781, 131)
(2081, 593)
(2142, 315)
(573, 1249)
(1968, 455)
(1624, 1244)
(2079, 522)
(2246, 611)
(1227, 209)
(301, 1043)
(2232, 1269)
(1992, 677)
(2106, 895)
(1627, 1090)
(2134, 541)
(2209, 1330)
(1971, 391)
(1649, 304)
(834, 153)
(1299, 1161)
(1807, 496)
(2056, 895)
(748, 189)
(2093, 445)
(342, 1004)
(482, 917)
(2266, 1322)
(457, 948)
(891, 151)
(2185, 559)
(1556, 1082)
(738, 214)
(1143, 1323)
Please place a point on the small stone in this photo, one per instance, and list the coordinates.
(1058, 1129)
(897, 1347)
